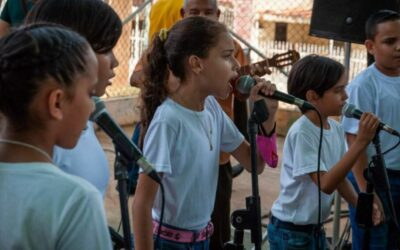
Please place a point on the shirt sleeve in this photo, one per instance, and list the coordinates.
(305, 156)
(159, 144)
(231, 138)
(84, 225)
(360, 95)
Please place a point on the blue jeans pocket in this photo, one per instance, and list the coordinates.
(170, 245)
(273, 237)
(297, 240)
(280, 238)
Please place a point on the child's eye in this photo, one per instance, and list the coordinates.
(389, 41)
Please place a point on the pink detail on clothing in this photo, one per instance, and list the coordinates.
(268, 149)
(183, 236)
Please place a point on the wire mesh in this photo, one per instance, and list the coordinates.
(271, 27)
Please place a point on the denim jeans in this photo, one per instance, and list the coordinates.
(283, 239)
(380, 235)
(173, 245)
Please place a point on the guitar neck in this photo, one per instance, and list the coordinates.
(245, 70)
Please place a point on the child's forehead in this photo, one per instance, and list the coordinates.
(391, 27)
(342, 82)
(225, 41)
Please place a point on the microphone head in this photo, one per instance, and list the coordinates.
(348, 110)
(244, 84)
(100, 108)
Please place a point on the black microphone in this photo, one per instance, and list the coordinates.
(350, 111)
(245, 83)
(123, 144)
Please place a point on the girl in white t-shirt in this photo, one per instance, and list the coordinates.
(47, 77)
(294, 220)
(185, 131)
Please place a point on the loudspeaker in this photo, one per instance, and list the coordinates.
(344, 20)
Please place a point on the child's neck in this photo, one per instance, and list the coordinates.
(387, 71)
(313, 117)
(189, 98)
(23, 147)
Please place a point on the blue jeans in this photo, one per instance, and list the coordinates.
(380, 235)
(173, 245)
(283, 239)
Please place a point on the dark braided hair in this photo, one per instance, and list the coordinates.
(28, 57)
(190, 36)
(93, 19)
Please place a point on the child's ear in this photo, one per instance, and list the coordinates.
(369, 44)
(195, 64)
(311, 96)
(55, 103)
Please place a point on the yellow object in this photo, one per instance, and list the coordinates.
(163, 34)
(164, 14)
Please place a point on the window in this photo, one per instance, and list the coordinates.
(281, 32)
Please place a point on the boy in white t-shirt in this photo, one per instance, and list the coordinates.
(295, 214)
(377, 90)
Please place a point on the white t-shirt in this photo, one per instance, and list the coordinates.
(177, 143)
(298, 199)
(375, 92)
(42, 207)
(87, 159)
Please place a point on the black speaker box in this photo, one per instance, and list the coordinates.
(344, 20)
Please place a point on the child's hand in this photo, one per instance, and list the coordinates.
(367, 128)
(266, 88)
(378, 214)
(257, 70)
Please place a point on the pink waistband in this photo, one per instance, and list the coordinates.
(183, 236)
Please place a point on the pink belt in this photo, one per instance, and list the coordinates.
(183, 236)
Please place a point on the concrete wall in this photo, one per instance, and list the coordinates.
(126, 112)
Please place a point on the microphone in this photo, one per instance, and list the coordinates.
(350, 111)
(245, 83)
(123, 144)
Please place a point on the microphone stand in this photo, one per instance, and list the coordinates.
(376, 177)
(250, 218)
(122, 176)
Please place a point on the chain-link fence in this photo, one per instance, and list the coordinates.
(269, 27)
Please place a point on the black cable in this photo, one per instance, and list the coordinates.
(390, 149)
(319, 225)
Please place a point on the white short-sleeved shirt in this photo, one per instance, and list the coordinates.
(177, 144)
(372, 91)
(41, 207)
(87, 159)
(298, 198)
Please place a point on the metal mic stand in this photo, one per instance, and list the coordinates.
(376, 177)
(121, 175)
(250, 218)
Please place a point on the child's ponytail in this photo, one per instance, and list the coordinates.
(156, 71)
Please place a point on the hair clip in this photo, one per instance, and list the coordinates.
(163, 34)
